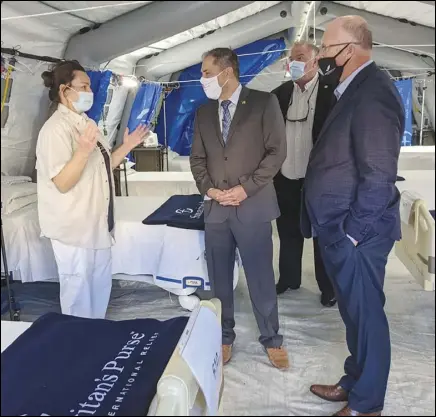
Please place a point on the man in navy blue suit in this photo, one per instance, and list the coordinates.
(351, 204)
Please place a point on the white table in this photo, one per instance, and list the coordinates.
(160, 184)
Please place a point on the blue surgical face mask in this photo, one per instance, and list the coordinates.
(84, 102)
(296, 70)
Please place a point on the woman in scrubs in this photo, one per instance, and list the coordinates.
(76, 191)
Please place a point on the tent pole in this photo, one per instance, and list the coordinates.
(14, 52)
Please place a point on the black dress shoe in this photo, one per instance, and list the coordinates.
(281, 288)
(328, 300)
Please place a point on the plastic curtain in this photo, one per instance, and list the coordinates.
(181, 104)
(145, 105)
(100, 81)
(405, 88)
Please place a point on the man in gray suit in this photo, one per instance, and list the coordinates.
(239, 146)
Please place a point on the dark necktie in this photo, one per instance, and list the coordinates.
(227, 119)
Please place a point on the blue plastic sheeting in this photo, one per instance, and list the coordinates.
(100, 82)
(181, 104)
(145, 105)
(405, 88)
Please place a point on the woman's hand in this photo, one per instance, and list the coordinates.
(132, 140)
(88, 140)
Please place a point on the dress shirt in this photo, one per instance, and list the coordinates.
(234, 99)
(340, 89)
(299, 134)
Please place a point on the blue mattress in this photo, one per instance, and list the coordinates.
(432, 212)
(66, 366)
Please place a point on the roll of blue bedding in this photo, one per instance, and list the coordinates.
(180, 211)
(65, 365)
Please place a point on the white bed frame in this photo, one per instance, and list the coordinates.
(178, 393)
(417, 248)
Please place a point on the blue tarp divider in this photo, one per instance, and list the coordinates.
(405, 88)
(100, 81)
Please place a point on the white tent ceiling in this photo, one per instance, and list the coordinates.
(48, 27)
(48, 34)
(420, 12)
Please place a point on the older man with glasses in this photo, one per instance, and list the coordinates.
(305, 104)
(352, 205)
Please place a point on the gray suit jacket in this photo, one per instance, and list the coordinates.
(254, 153)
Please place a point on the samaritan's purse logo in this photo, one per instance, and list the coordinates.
(194, 214)
(185, 211)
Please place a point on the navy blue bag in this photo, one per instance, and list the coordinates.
(180, 211)
(65, 365)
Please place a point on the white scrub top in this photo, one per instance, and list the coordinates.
(79, 217)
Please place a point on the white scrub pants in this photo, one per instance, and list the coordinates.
(85, 277)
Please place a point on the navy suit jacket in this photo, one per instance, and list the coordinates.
(350, 183)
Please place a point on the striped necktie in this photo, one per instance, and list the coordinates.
(227, 119)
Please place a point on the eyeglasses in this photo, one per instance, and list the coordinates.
(323, 49)
(304, 119)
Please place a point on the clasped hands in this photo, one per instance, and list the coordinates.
(233, 197)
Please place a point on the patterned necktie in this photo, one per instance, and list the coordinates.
(227, 119)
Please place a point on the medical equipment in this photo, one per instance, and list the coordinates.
(179, 392)
(417, 248)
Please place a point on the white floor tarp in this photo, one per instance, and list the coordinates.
(314, 336)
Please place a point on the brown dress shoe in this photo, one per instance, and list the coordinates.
(227, 354)
(278, 358)
(347, 411)
(331, 393)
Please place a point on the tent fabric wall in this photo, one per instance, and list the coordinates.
(28, 110)
(182, 104)
(100, 81)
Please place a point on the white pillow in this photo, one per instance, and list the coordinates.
(19, 203)
(11, 192)
(6, 179)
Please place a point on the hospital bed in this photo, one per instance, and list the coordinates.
(417, 248)
(30, 256)
(171, 258)
(179, 390)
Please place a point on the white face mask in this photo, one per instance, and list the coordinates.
(85, 101)
(212, 87)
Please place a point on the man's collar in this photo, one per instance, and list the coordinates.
(235, 96)
(309, 85)
(340, 89)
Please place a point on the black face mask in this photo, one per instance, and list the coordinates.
(330, 71)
